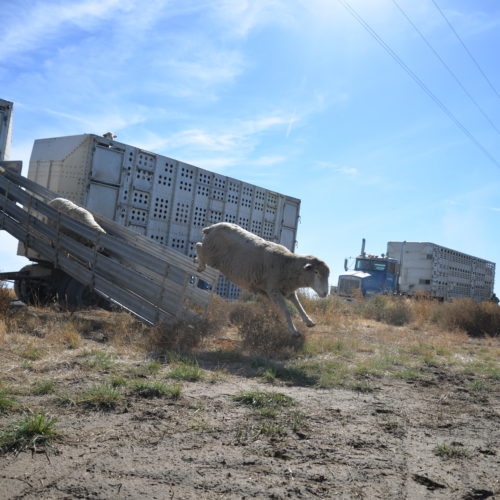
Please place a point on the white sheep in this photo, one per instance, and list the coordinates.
(79, 213)
(262, 266)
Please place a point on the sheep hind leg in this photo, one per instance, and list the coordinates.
(280, 301)
(199, 258)
(295, 301)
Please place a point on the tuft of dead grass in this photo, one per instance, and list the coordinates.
(6, 297)
(181, 336)
(263, 331)
(3, 332)
(477, 319)
(395, 311)
(66, 333)
(333, 311)
(125, 330)
(185, 336)
(218, 313)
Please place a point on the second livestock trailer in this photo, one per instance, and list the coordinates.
(442, 272)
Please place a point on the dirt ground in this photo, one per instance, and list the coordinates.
(205, 445)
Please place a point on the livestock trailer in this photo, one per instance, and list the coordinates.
(163, 199)
(442, 272)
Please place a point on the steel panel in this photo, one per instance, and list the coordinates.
(106, 165)
(102, 199)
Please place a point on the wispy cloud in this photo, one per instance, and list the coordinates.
(106, 119)
(241, 17)
(240, 136)
(121, 47)
(293, 119)
(254, 167)
(267, 161)
(337, 169)
(471, 22)
(350, 171)
(211, 67)
(30, 25)
(227, 148)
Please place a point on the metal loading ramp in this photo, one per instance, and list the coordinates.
(151, 281)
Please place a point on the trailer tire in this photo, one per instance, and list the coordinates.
(77, 296)
(32, 291)
(61, 282)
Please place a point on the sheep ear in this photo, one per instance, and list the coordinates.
(308, 267)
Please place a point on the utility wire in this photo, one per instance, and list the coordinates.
(466, 49)
(418, 81)
(452, 73)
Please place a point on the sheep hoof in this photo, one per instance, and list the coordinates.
(310, 325)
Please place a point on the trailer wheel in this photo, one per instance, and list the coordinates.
(60, 283)
(33, 291)
(40, 285)
(76, 296)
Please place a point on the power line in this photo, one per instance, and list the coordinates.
(452, 73)
(418, 81)
(466, 49)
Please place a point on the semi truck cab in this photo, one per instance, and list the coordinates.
(371, 275)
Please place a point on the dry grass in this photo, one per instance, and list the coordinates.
(6, 297)
(124, 330)
(262, 330)
(332, 312)
(396, 311)
(185, 336)
(182, 336)
(65, 333)
(347, 348)
(477, 319)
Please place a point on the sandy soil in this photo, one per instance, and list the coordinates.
(205, 445)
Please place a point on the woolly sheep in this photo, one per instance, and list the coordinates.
(262, 266)
(73, 210)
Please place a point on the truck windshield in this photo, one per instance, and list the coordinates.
(370, 265)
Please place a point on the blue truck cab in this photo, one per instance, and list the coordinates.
(371, 275)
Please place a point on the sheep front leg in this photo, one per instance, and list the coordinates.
(199, 259)
(279, 300)
(295, 301)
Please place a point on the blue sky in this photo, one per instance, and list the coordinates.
(292, 95)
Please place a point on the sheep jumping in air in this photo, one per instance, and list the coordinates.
(262, 266)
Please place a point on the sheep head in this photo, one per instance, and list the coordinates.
(315, 273)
